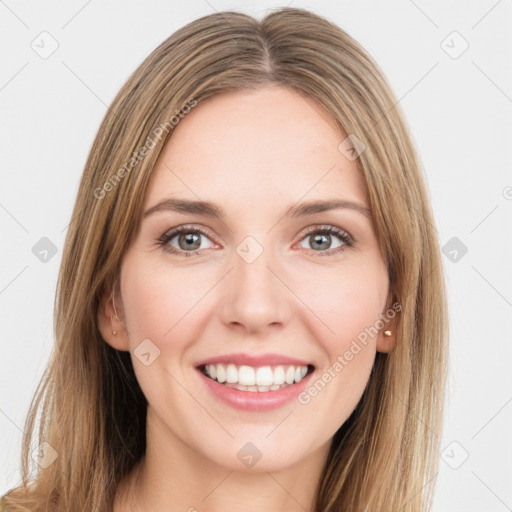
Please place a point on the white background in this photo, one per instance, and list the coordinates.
(459, 111)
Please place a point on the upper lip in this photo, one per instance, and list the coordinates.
(240, 359)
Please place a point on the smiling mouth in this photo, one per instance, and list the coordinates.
(261, 379)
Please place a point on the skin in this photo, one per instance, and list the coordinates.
(254, 154)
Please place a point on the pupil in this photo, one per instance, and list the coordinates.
(190, 238)
(322, 238)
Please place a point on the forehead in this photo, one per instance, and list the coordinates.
(271, 145)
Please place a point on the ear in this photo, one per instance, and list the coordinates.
(110, 318)
(390, 317)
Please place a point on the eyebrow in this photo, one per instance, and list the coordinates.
(208, 209)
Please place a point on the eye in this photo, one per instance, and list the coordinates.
(187, 243)
(320, 239)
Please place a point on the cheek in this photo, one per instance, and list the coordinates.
(159, 306)
(345, 303)
(157, 302)
(345, 310)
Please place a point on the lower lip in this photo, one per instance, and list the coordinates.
(258, 401)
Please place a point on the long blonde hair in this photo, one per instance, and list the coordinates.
(93, 412)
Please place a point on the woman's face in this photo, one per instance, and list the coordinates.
(259, 289)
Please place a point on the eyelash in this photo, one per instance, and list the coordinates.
(347, 239)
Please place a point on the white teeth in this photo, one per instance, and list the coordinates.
(231, 374)
(279, 375)
(254, 388)
(264, 378)
(212, 371)
(246, 376)
(290, 375)
(221, 373)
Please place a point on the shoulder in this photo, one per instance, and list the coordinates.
(2, 503)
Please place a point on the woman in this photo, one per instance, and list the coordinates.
(250, 307)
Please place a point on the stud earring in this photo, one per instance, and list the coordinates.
(387, 333)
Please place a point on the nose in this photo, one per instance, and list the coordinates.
(254, 296)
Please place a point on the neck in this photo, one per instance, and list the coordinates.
(176, 478)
